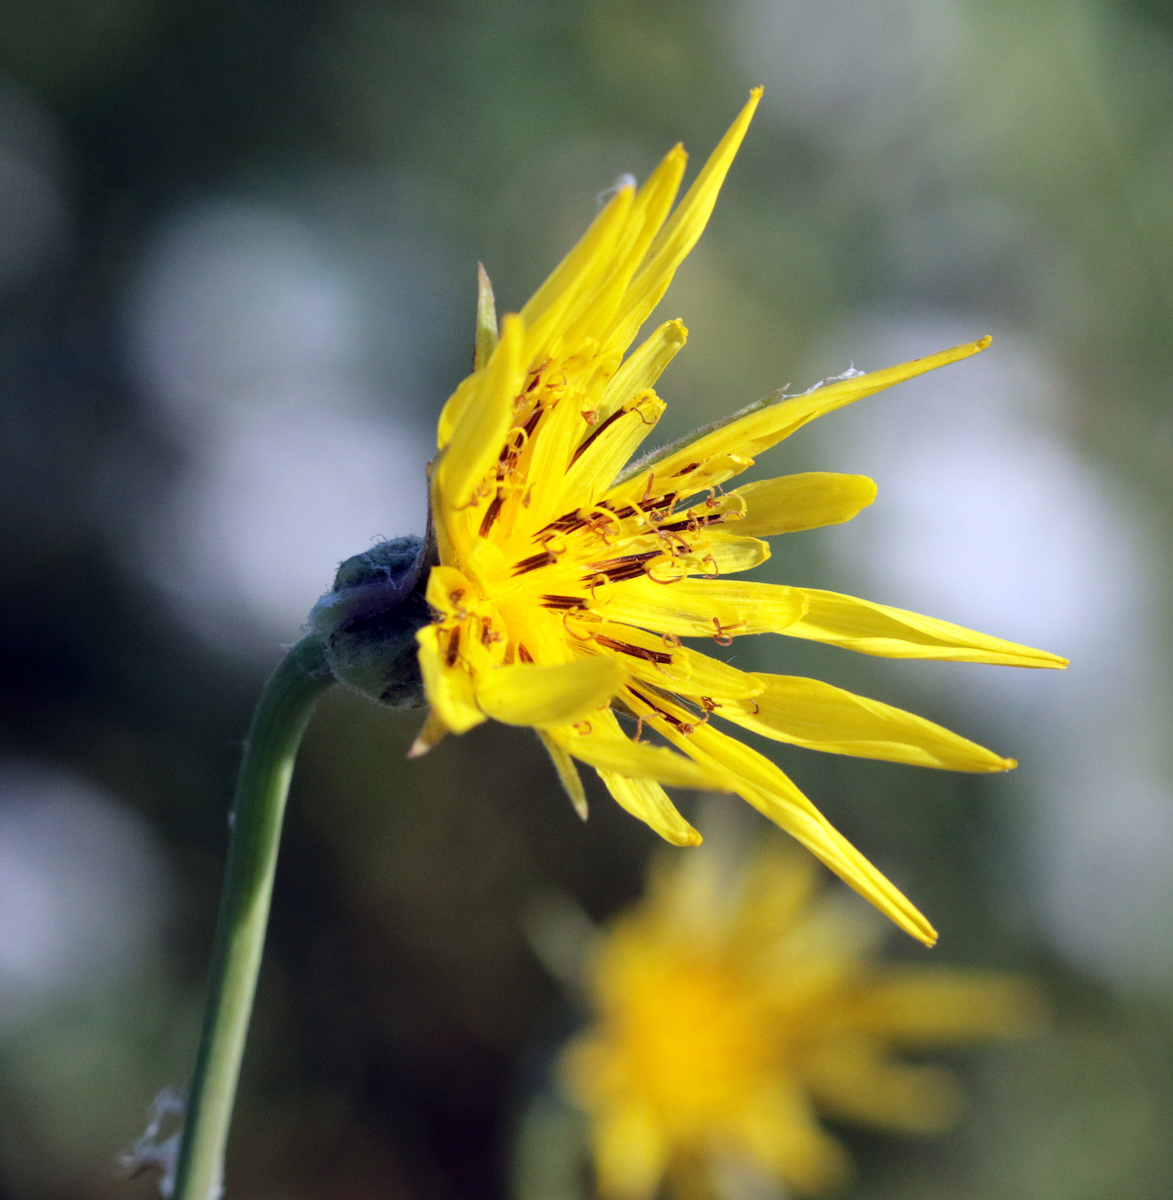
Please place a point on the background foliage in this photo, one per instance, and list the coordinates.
(237, 250)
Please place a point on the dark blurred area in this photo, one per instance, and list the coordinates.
(237, 275)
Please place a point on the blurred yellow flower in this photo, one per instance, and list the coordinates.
(726, 1012)
(566, 581)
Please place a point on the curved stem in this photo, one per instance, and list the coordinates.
(277, 726)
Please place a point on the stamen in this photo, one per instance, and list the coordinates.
(680, 726)
(628, 566)
(585, 444)
(558, 602)
(524, 654)
(564, 524)
(652, 656)
(598, 521)
(715, 573)
(542, 559)
(453, 647)
(491, 512)
(722, 637)
(694, 521)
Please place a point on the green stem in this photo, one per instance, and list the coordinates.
(277, 726)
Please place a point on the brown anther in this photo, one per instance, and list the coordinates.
(595, 433)
(453, 647)
(542, 559)
(590, 416)
(757, 708)
(492, 512)
(562, 602)
(670, 639)
(582, 727)
(721, 637)
(715, 573)
(653, 656)
(639, 729)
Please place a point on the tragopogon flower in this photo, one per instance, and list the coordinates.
(728, 1008)
(566, 580)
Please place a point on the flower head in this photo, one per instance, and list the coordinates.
(567, 580)
(726, 1013)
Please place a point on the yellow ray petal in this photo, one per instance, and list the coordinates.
(643, 367)
(600, 455)
(526, 694)
(557, 300)
(766, 423)
(772, 793)
(780, 1133)
(630, 1154)
(795, 502)
(596, 315)
(856, 1079)
(567, 773)
(682, 229)
(719, 553)
(807, 712)
(479, 428)
(647, 801)
(637, 760)
(449, 689)
(918, 1006)
(896, 633)
(705, 607)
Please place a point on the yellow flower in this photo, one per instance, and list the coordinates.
(566, 580)
(727, 1012)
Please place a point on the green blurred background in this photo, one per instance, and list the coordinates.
(237, 253)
